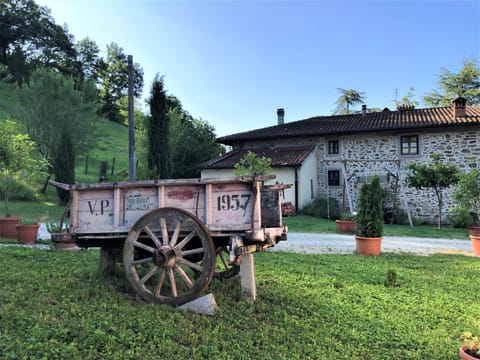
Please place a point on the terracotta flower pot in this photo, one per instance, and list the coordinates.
(474, 230)
(475, 245)
(346, 225)
(27, 234)
(463, 355)
(368, 246)
(63, 241)
(8, 227)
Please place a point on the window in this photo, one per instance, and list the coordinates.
(333, 147)
(409, 145)
(333, 177)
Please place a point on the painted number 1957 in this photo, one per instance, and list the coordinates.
(229, 202)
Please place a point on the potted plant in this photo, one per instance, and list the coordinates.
(61, 238)
(470, 350)
(16, 163)
(467, 197)
(27, 231)
(369, 219)
(346, 223)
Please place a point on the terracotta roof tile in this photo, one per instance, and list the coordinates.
(357, 123)
(281, 156)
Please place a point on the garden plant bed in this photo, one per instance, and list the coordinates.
(308, 305)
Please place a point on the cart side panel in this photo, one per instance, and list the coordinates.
(231, 206)
(271, 208)
(136, 202)
(95, 210)
(190, 198)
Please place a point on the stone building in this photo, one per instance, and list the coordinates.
(335, 155)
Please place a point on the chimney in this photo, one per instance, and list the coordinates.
(364, 110)
(280, 116)
(459, 107)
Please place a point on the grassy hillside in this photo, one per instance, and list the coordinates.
(112, 143)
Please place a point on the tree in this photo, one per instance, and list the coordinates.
(370, 211)
(88, 57)
(53, 106)
(157, 129)
(466, 83)
(193, 142)
(113, 77)
(29, 38)
(408, 99)
(347, 99)
(436, 175)
(16, 159)
(64, 163)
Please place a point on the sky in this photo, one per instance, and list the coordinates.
(234, 63)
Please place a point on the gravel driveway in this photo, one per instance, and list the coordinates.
(334, 244)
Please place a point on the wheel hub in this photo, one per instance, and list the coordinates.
(164, 257)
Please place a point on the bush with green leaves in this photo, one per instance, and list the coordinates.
(20, 190)
(251, 165)
(16, 160)
(370, 212)
(467, 194)
(323, 207)
(459, 217)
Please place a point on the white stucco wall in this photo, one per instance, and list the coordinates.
(307, 180)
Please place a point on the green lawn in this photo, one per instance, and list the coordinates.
(54, 305)
(310, 224)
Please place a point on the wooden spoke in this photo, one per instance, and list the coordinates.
(183, 275)
(152, 236)
(221, 255)
(158, 288)
(224, 269)
(173, 283)
(149, 275)
(163, 224)
(185, 241)
(190, 264)
(174, 240)
(142, 261)
(192, 251)
(144, 247)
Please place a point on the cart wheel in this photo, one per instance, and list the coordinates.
(225, 270)
(169, 257)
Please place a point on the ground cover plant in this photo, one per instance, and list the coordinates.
(56, 305)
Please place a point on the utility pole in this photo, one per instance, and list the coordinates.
(132, 170)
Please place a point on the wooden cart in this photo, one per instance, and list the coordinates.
(175, 235)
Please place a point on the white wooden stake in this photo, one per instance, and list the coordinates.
(247, 277)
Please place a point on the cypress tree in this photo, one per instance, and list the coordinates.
(64, 164)
(158, 154)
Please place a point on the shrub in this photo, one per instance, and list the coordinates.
(251, 165)
(20, 190)
(370, 213)
(323, 207)
(460, 217)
